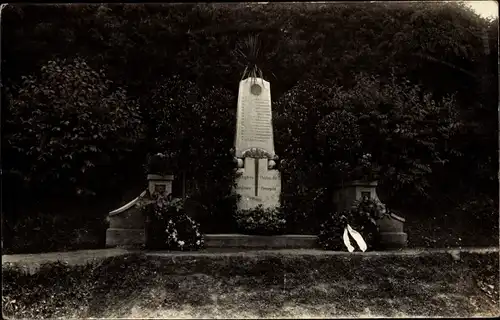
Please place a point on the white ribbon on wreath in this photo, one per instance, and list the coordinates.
(356, 236)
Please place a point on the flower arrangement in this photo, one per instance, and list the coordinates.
(261, 221)
(369, 210)
(183, 233)
(169, 225)
(362, 217)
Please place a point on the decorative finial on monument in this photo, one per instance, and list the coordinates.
(249, 53)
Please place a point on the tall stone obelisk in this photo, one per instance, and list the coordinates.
(258, 182)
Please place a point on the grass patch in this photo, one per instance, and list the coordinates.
(243, 285)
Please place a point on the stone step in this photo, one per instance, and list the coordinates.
(288, 241)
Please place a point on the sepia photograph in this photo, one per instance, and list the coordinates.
(333, 159)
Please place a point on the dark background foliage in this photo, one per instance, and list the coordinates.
(412, 84)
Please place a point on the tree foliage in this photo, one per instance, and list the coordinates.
(67, 127)
(331, 134)
(195, 131)
(329, 41)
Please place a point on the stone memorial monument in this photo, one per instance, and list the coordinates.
(258, 181)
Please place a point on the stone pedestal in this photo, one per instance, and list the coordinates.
(345, 195)
(392, 235)
(127, 223)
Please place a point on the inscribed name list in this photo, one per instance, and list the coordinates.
(257, 185)
(254, 117)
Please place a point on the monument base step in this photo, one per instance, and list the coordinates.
(289, 241)
(117, 237)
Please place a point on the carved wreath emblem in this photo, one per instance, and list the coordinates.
(257, 153)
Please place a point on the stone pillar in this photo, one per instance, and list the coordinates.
(345, 195)
(158, 183)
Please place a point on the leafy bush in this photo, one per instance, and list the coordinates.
(44, 232)
(362, 218)
(403, 128)
(172, 104)
(481, 206)
(194, 132)
(478, 214)
(305, 177)
(339, 137)
(261, 221)
(67, 125)
(169, 227)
